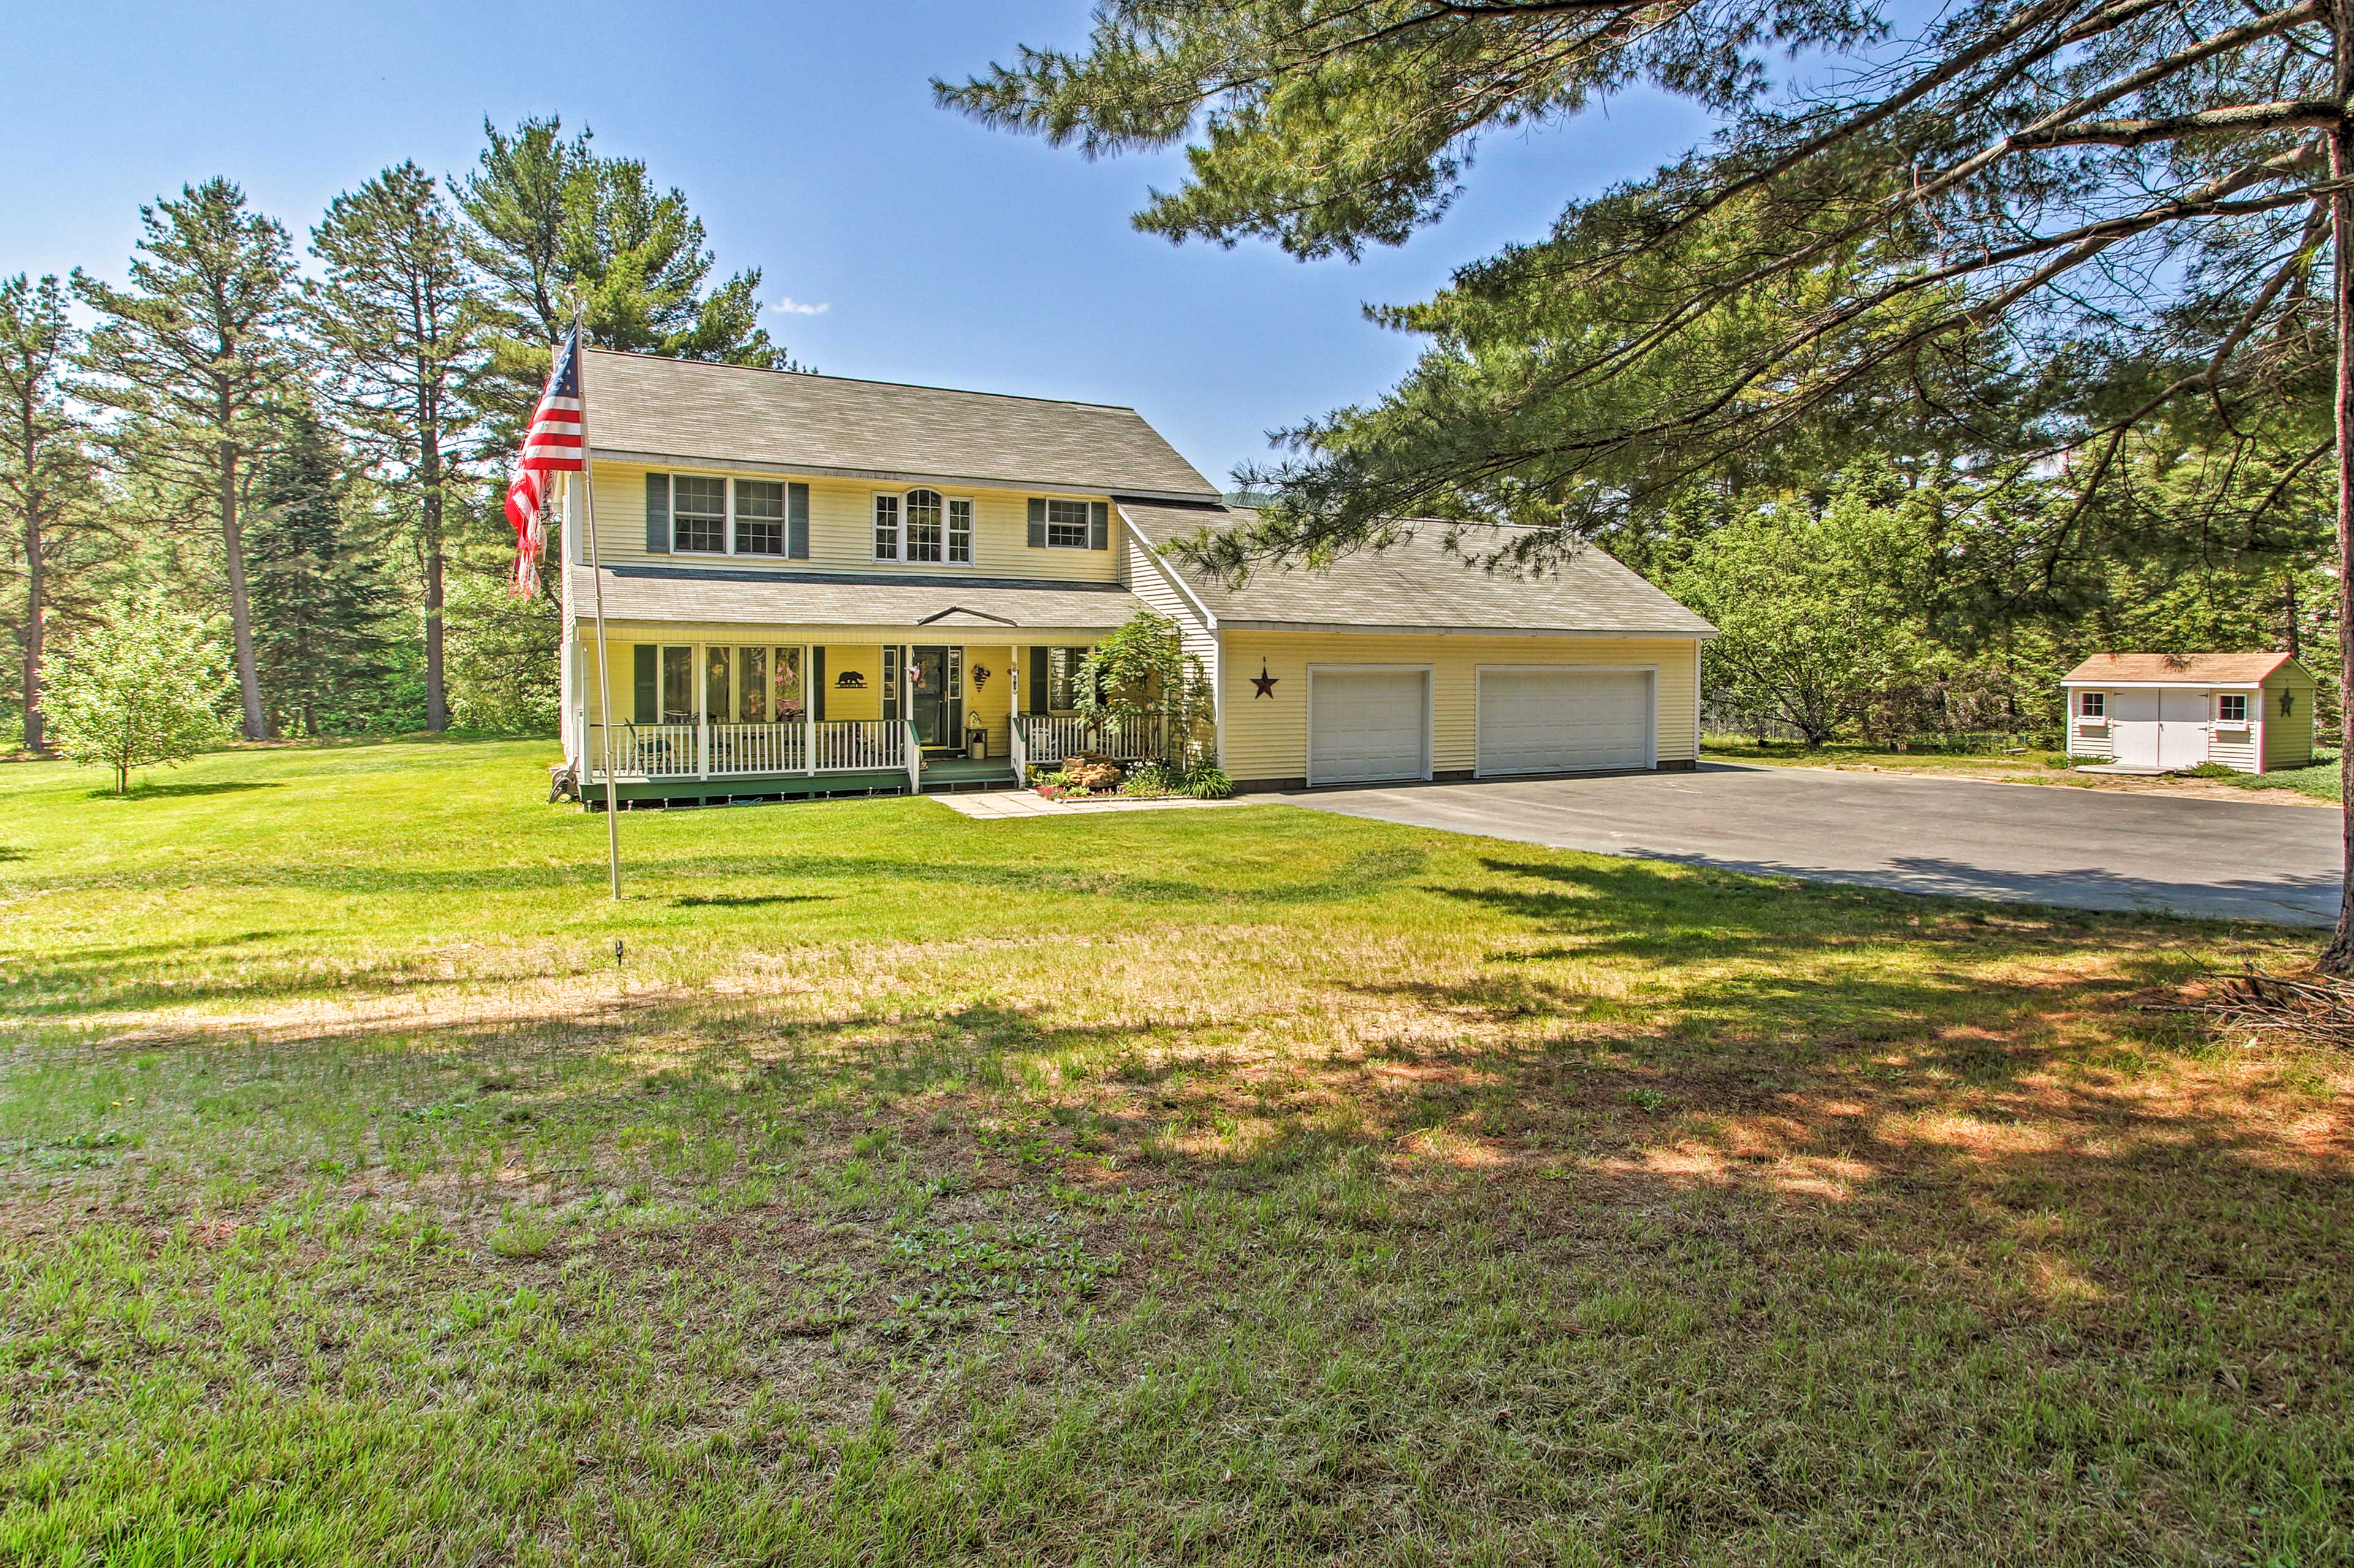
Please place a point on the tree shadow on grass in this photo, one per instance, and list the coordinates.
(749, 900)
(178, 791)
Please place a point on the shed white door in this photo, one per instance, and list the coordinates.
(1563, 721)
(2182, 727)
(1364, 725)
(2133, 728)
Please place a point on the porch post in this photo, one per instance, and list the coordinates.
(702, 712)
(809, 709)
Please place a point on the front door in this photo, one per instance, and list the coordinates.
(936, 696)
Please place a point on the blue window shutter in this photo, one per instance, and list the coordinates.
(658, 514)
(1033, 701)
(1037, 522)
(817, 684)
(797, 524)
(648, 708)
(1098, 525)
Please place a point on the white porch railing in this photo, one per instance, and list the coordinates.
(1045, 739)
(646, 752)
(846, 745)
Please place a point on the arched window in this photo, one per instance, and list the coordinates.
(924, 534)
(922, 526)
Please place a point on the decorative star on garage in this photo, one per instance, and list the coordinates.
(1265, 681)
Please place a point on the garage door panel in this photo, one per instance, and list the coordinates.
(1563, 721)
(1368, 725)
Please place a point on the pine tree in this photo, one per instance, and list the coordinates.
(547, 217)
(321, 603)
(57, 531)
(396, 315)
(192, 359)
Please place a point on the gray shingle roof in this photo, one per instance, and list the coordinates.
(704, 595)
(668, 408)
(1416, 585)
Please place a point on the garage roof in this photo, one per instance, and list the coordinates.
(673, 595)
(641, 406)
(1416, 585)
(2176, 669)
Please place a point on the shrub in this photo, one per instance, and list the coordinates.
(144, 687)
(1209, 782)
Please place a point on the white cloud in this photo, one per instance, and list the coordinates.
(793, 307)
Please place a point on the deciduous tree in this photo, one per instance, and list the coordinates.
(143, 687)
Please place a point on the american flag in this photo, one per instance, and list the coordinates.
(552, 445)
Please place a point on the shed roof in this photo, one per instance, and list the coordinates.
(2176, 669)
(1417, 585)
(697, 594)
(644, 405)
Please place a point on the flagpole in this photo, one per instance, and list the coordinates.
(597, 576)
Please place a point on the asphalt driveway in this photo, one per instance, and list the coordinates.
(2082, 849)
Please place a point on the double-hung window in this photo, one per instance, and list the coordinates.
(886, 527)
(960, 532)
(2232, 710)
(759, 517)
(1066, 525)
(699, 508)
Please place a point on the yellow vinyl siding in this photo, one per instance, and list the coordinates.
(842, 530)
(1143, 575)
(986, 701)
(2287, 737)
(1267, 738)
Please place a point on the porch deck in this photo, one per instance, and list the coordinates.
(700, 764)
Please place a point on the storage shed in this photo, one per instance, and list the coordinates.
(2162, 713)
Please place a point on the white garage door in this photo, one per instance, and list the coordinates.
(1563, 721)
(1364, 725)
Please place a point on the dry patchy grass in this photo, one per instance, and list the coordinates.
(1249, 1186)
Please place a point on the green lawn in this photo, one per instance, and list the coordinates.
(1238, 1186)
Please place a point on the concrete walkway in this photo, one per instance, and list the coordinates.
(2080, 849)
(991, 805)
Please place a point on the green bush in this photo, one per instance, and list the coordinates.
(1209, 782)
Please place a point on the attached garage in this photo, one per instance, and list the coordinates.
(1533, 719)
(1367, 725)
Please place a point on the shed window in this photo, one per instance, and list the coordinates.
(699, 514)
(2093, 704)
(2231, 709)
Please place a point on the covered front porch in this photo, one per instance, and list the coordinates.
(720, 717)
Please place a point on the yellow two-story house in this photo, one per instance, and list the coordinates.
(807, 585)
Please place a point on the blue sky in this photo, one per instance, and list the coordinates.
(918, 246)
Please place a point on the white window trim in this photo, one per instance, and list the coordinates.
(2238, 724)
(783, 520)
(948, 502)
(1087, 521)
(726, 514)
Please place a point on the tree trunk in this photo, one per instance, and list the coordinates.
(240, 613)
(437, 697)
(2338, 957)
(34, 633)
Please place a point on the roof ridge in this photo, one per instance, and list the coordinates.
(867, 381)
